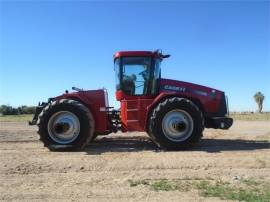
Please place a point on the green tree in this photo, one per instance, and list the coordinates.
(259, 98)
(8, 110)
(26, 109)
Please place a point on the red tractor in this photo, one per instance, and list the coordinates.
(173, 113)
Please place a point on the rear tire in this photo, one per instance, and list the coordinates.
(65, 124)
(176, 124)
(93, 138)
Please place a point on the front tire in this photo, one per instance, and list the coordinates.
(65, 124)
(176, 124)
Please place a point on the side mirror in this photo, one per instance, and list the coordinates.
(77, 89)
(166, 56)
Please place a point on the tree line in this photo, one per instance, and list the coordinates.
(9, 110)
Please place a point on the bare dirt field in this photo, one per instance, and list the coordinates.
(128, 167)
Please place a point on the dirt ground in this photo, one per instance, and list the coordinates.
(102, 172)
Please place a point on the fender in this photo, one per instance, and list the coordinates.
(95, 101)
(164, 95)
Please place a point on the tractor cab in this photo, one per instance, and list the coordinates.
(137, 73)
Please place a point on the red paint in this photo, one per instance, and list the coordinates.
(139, 107)
(135, 54)
(134, 113)
(135, 110)
(94, 100)
(209, 103)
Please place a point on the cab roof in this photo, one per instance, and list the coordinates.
(135, 53)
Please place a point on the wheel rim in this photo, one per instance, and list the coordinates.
(177, 125)
(64, 127)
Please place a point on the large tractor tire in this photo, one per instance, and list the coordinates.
(94, 137)
(65, 124)
(98, 134)
(176, 124)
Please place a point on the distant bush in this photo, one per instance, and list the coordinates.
(9, 110)
(26, 109)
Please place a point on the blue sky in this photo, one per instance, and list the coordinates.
(47, 47)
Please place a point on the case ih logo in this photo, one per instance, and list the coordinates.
(174, 88)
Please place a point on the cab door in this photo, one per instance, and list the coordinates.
(135, 81)
(138, 82)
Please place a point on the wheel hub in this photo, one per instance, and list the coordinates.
(177, 125)
(61, 127)
(64, 127)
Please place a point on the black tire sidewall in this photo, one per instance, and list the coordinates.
(78, 112)
(167, 106)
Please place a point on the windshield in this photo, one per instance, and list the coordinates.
(136, 75)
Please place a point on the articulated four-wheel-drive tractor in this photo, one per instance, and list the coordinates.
(173, 113)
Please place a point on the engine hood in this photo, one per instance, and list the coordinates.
(169, 85)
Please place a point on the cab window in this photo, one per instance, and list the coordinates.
(136, 75)
(117, 73)
(156, 77)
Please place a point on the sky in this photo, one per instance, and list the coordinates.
(47, 47)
